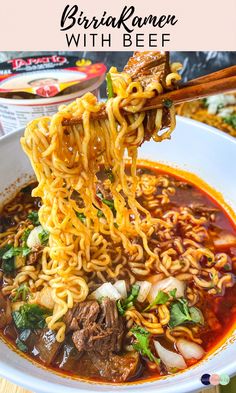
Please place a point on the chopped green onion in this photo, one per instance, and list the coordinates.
(110, 175)
(81, 216)
(168, 103)
(110, 92)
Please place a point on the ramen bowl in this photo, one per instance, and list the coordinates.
(195, 148)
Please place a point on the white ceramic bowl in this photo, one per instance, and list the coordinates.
(194, 147)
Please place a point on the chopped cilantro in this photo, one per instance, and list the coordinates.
(24, 334)
(142, 344)
(123, 305)
(25, 235)
(161, 298)
(21, 346)
(34, 218)
(30, 316)
(231, 120)
(43, 236)
(8, 265)
(181, 313)
(173, 293)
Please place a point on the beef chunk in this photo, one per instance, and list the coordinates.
(117, 368)
(100, 327)
(198, 208)
(147, 67)
(98, 332)
(47, 346)
(81, 315)
(5, 311)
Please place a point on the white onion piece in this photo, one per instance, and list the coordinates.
(106, 290)
(189, 349)
(169, 358)
(44, 298)
(120, 285)
(167, 285)
(144, 289)
(33, 238)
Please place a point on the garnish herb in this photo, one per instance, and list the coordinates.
(108, 202)
(14, 251)
(24, 335)
(30, 316)
(100, 213)
(110, 175)
(21, 292)
(168, 103)
(173, 293)
(25, 236)
(25, 251)
(161, 298)
(21, 346)
(181, 313)
(110, 92)
(4, 249)
(34, 218)
(81, 216)
(231, 120)
(43, 237)
(8, 265)
(142, 343)
(123, 305)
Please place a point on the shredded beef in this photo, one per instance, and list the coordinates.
(117, 368)
(82, 315)
(98, 332)
(96, 327)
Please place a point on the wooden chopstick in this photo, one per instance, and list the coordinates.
(191, 93)
(219, 82)
(225, 73)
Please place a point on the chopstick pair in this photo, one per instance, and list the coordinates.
(219, 82)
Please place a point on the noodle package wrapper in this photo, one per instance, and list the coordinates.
(31, 87)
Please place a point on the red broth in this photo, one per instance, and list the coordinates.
(219, 310)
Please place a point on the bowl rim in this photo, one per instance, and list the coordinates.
(32, 382)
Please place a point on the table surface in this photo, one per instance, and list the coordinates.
(8, 387)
